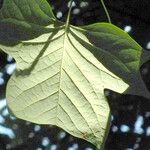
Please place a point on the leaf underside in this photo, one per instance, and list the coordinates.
(62, 70)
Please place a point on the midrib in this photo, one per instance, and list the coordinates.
(61, 70)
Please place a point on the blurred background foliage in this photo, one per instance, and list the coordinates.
(130, 126)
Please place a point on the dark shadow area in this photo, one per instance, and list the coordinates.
(45, 46)
(11, 33)
(125, 110)
(1, 3)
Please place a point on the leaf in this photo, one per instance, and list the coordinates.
(120, 54)
(29, 17)
(145, 56)
(62, 70)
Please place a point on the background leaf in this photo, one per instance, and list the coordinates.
(29, 17)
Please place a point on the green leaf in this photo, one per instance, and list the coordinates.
(62, 70)
(27, 16)
(120, 54)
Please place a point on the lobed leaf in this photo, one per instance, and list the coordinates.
(62, 70)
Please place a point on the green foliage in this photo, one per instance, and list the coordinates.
(62, 70)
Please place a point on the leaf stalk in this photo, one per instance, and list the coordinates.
(68, 17)
(106, 11)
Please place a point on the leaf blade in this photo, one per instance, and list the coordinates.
(61, 74)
